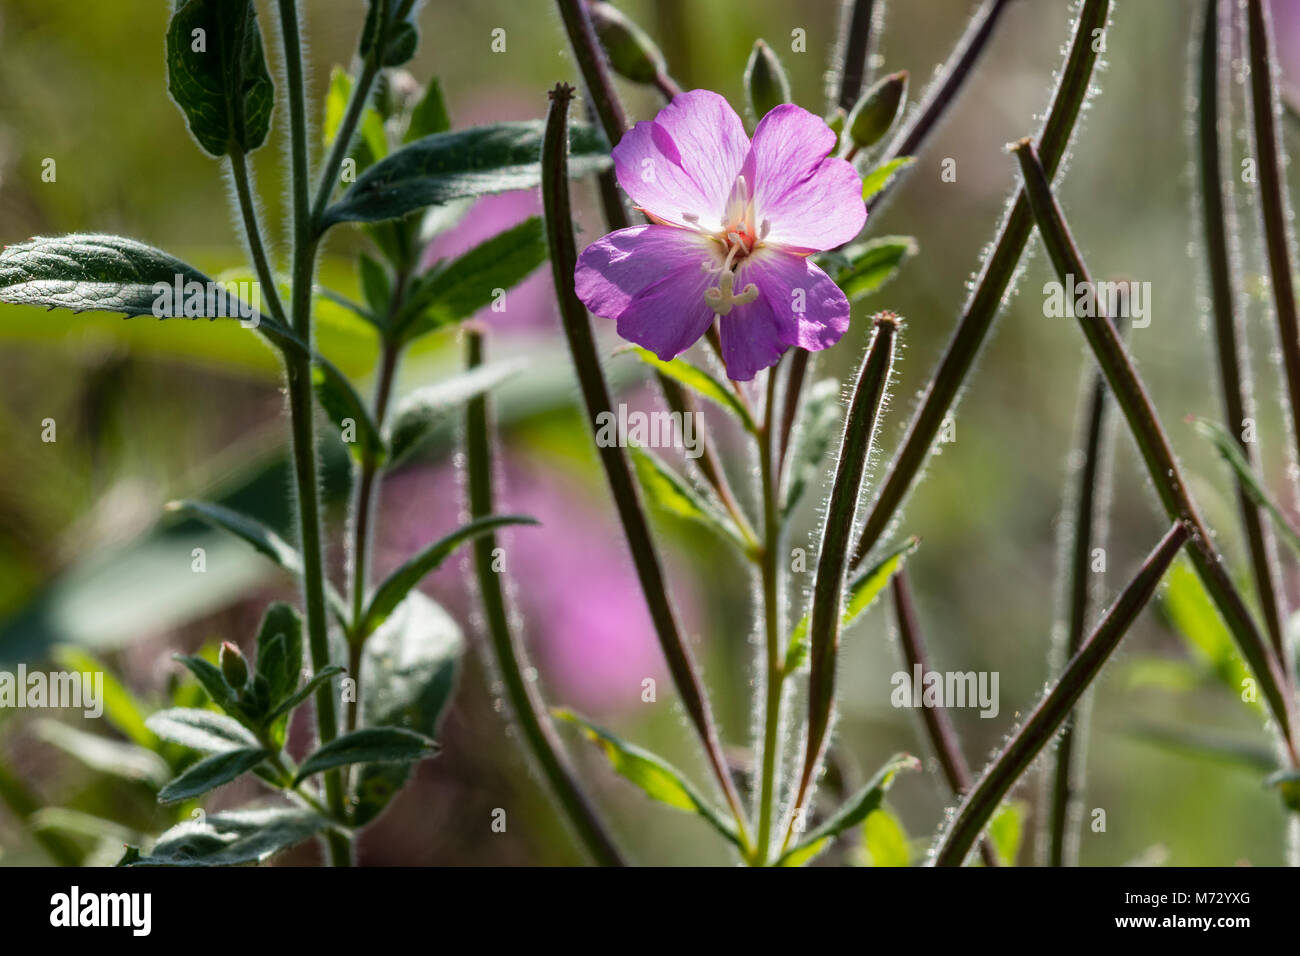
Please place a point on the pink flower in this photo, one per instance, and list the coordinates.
(734, 222)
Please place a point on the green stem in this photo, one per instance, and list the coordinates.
(1274, 213)
(824, 618)
(302, 410)
(253, 232)
(974, 813)
(858, 18)
(938, 725)
(990, 290)
(1144, 424)
(508, 652)
(1066, 775)
(775, 665)
(596, 398)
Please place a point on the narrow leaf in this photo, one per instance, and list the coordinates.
(347, 410)
(128, 761)
(398, 584)
(430, 114)
(368, 745)
(869, 265)
(885, 840)
(232, 838)
(854, 811)
(669, 492)
(210, 773)
(209, 675)
(202, 730)
(876, 180)
(654, 776)
(700, 382)
(303, 692)
(1231, 453)
(280, 662)
(473, 281)
(477, 161)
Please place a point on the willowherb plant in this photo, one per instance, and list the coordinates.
(754, 247)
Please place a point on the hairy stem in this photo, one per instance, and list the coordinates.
(938, 725)
(301, 407)
(1144, 424)
(1274, 212)
(507, 651)
(1037, 731)
(773, 661)
(857, 19)
(596, 398)
(990, 290)
(832, 555)
(253, 232)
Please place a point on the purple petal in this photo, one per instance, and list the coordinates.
(797, 304)
(650, 279)
(683, 163)
(809, 200)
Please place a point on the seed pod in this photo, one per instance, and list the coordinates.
(765, 82)
(631, 52)
(233, 666)
(876, 111)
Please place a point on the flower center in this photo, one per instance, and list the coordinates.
(740, 239)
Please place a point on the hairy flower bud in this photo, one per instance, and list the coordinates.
(765, 84)
(631, 52)
(876, 111)
(233, 666)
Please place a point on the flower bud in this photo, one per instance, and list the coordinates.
(765, 82)
(876, 111)
(631, 52)
(233, 666)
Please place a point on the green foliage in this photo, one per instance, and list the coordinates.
(472, 162)
(231, 838)
(672, 494)
(212, 772)
(422, 411)
(865, 267)
(368, 745)
(217, 74)
(701, 383)
(655, 777)
(875, 181)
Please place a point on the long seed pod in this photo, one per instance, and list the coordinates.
(596, 398)
(832, 555)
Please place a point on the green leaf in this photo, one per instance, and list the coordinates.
(232, 838)
(128, 761)
(212, 772)
(885, 840)
(400, 35)
(430, 114)
(862, 593)
(477, 161)
(261, 538)
(223, 86)
(419, 413)
(202, 730)
(879, 178)
(700, 382)
(347, 410)
(653, 775)
(869, 265)
(376, 286)
(1190, 612)
(856, 809)
(669, 492)
(1254, 756)
(210, 676)
(280, 662)
(368, 745)
(370, 142)
(303, 692)
(122, 709)
(1232, 454)
(818, 431)
(397, 585)
(408, 670)
(1007, 829)
(458, 289)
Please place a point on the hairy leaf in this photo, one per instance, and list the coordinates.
(212, 772)
(368, 745)
(700, 382)
(671, 493)
(202, 730)
(232, 838)
(418, 414)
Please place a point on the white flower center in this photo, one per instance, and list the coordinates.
(740, 239)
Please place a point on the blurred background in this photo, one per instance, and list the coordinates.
(148, 412)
